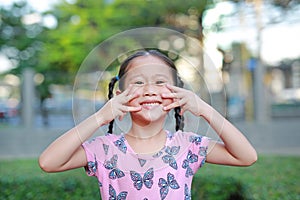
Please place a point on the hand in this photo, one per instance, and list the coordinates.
(186, 99)
(117, 106)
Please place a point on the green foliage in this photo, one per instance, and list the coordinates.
(86, 23)
(218, 188)
(272, 177)
(19, 38)
(23, 179)
(68, 188)
(81, 26)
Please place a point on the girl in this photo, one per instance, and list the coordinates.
(147, 162)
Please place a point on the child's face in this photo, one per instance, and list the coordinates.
(149, 76)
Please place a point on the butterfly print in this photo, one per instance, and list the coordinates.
(172, 150)
(203, 151)
(92, 166)
(112, 165)
(169, 157)
(139, 181)
(120, 143)
(142, 162)
(196, 139)
(187, 194)
(166, 184)
(100, 184)
(113, 195)
(170, 135)
(190, 158)
(105, 148)
(158, 154)
(202, 162)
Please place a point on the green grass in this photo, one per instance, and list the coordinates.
(272, 177)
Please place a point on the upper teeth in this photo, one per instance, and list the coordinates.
(150, 104)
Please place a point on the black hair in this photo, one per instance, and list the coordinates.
(123, 69)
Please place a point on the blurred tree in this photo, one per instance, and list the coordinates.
(273, 11)
(85, 23)
(258, 14)
(21, 31)
(19, 35)
(57, 51)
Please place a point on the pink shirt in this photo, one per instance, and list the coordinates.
(168, 174)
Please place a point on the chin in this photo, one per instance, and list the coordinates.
(147, 117)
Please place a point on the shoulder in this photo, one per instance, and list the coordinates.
(189, 140)
(191, 145)
(102, 138)
(101, 141)
(187, 136)
(101, 147)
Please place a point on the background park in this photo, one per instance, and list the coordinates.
(255, 83)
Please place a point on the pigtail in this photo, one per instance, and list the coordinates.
(111, 86)
(179, 119)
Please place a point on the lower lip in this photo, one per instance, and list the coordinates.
(150, 107)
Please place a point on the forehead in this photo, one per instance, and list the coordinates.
(148, 65)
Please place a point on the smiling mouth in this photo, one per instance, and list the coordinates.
(150, 105)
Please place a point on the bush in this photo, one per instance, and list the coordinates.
(272, 177)
(46, 189)
(218, 188)
(23, 179)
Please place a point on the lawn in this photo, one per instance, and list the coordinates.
(272, 177)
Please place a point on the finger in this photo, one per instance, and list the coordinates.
(183, 109)
(170, 95)
(181, 112)
(121, 117)
(118, 113)
(131, 90)
(171, 106)
(178, 103)
(134, 108)
(173, 88)
(127, 90)
(127, 96)
(132, 96)
(130, 108)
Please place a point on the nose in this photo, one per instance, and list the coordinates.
(149, 90)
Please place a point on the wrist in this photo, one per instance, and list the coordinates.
(99, 118)
(207, 112)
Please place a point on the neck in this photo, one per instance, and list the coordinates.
(145, 132)
(146, 139)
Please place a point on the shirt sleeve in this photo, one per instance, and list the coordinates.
(93, 153)
(199, 147)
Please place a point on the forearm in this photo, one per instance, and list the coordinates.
(235, 149)
(62, 150)
(235, 144)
